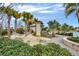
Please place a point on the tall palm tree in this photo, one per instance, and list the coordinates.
(65, 27)
(70, 8)
(27, 18)
(53, 25)
(16, 16)
(50, 25)
(9, 12)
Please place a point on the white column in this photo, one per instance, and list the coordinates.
(38, 29)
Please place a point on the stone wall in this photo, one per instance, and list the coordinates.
(71, 44)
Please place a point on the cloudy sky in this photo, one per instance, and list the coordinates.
(47, 11)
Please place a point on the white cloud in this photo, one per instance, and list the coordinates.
(57, 5)
(31, 8)
(46, 11)
(56, 8)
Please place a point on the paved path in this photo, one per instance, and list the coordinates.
(59, 40)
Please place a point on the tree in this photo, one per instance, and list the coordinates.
(35, 20)
(16, 16)
(0, 28)
(50, 25)
(65, 27)
(72, 8)
(53, 25)
(9, 12)
(27, 18)
(71, 28)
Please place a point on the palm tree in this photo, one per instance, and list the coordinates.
(16, 15)
(70, 8)
(9, 12)
(35, 20)
(53, 25)
(50, 25)
(65, 27)
(27, 18)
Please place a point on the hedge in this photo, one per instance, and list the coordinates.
(74, 39)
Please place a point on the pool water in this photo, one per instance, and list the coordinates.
(75, 34)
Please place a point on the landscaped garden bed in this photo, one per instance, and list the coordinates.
(74, 39)
(66, 34)
(72, 42)
(10, 47)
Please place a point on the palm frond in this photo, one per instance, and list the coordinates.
(68, 12)
(70, 6)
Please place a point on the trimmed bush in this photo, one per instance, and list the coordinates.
(20, 30)
(68, 34)
(10, 47)
(4, 32)
(74, 39)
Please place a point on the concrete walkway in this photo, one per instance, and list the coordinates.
(59, 40)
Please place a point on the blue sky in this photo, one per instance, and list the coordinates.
(48, 11)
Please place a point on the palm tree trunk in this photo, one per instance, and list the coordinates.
(78, 17)
(15, 27)
(29, 27)
(77, 12)
(8, 29)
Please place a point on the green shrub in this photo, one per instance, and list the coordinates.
(63, 51)
(4, 32)
(20, 30)
(68, 34)
(34, 33)
(74, 39)
(51, 49)
(40, 50)
(57, 50)
(10, 47)
(13, 47)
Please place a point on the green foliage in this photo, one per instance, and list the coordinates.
(57, 50)
(74, 39)
(64, 27)
(20, 30)
(34, 33)
(67, 34)
(54, 25)
(69, 9)
(0, 29)
(4, 32)
(10, 47)
(45, 28)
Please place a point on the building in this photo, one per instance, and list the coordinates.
(37, 27)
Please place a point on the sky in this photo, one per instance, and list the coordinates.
(47, 11)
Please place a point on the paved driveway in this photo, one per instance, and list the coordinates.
(59, 40)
